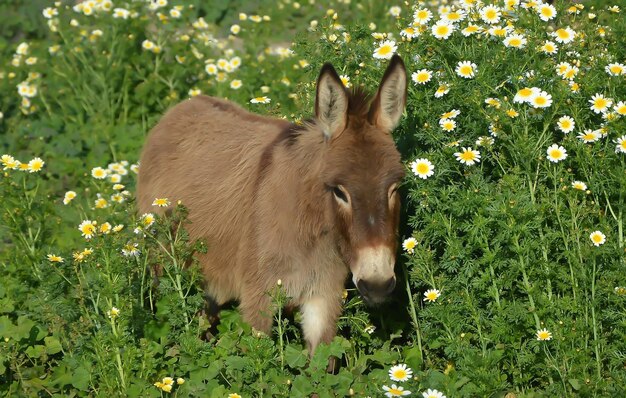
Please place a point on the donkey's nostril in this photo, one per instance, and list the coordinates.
(391, 284)
(380, 289)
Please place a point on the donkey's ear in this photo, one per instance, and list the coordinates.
(331, 102)
(388, 104)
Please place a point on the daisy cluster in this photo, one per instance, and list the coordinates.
(211, 59)
(402, 373)
(557, 96)
(35, 165)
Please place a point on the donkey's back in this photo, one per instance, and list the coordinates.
(205, 152)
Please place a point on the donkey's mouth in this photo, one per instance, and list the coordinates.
(375, 293)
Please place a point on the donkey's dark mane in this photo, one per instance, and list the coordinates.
(359, 102)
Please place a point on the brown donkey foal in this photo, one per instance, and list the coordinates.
(273, 200)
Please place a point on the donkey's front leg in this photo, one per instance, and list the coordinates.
(319, 319)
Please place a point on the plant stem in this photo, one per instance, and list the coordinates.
(413, 312)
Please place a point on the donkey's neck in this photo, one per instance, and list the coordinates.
(298, 163)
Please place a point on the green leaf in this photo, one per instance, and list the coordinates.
(53, 345)
(6, 305)
(295, 357)
(301, 387)
(575, 383)
(35, 351)
(81, 378)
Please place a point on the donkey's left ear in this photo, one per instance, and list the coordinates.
(388, 104)
(331, 102)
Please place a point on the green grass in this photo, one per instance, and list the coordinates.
(505, 241)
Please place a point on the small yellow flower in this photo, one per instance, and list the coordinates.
(409, 245)
(468, 156)
(442, 30)
(260, 100)
(422, 168)
(99, 173)
(161, 202)
(9, 162)
(88, 229)
(35, 165)
(69, 196)
(597, 238)
(447, 124)
(118, 227)
(431, 295)
(101, 203)
(53, 258)
(345, 80)
(385, 50)
(466, 69)
(147, 219)
(600, 103)
(544, 335)
(422, 76)
(400, 373)
(556, 153)
(234, 395)
(105, 228)
(180, 381)
(113, 312)
(512, 113)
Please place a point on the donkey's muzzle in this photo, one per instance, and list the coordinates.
(375, 291)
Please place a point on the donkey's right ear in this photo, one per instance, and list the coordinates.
(331, 102)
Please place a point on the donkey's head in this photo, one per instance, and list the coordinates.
(361, 171)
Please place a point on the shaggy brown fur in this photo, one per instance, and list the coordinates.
(303, 204)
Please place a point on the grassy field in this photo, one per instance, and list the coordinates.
(512, 276)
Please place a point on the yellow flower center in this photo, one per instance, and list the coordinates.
(400, 374)
(491, 14)
(431, 296)
(621, 109)
(589, 137)
(422, 168)
(563, 34)
(597, 238)
(600, 103)
(384, 50)
(540, 100)
(525, 92)
(556, 153)
(423, 77)
(442, 30)
(544, 335)
(465, 70)
(468, 155)
(566, 124)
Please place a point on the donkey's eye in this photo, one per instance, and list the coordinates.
(340, 194)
